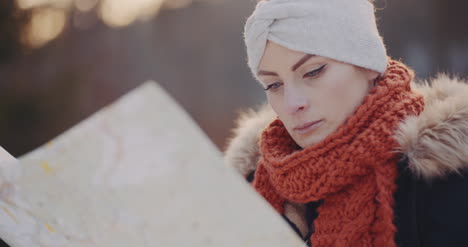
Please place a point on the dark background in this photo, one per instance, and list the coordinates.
(62, 60)
(194, 49)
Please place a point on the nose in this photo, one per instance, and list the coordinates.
(296, 100)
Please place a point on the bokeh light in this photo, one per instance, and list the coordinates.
(45, 25)
(27, 4)
(50, 16)
(122, 13)
(85, 5)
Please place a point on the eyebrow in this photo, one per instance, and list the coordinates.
(293, 68)
(263, 72)
(301, 62)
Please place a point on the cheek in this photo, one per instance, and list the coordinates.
(338, 85)
(276, 104)
(341, 97)
(332, 97)
(353, 97)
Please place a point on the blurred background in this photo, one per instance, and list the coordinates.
(62, 60)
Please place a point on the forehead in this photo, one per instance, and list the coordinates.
(277, 57)
(274, 50)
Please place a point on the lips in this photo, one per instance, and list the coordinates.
(308, 127)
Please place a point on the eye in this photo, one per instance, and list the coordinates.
(315, 72)
(274, 86)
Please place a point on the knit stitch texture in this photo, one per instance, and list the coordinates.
(353, 170)
(344, 30)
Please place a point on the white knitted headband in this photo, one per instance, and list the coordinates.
(344, 30)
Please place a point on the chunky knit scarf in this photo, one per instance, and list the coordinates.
(353, 170)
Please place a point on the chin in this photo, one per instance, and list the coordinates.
(304, 143)
(308, 141)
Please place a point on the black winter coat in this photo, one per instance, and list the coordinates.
(422, 217)
(431, 201)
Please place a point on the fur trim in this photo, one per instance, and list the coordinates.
(435, 142)
(242, 152)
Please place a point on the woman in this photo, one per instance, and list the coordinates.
(353, 153)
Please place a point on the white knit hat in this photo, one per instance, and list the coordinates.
(344, 30)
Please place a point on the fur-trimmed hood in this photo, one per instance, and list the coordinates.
(435, 142)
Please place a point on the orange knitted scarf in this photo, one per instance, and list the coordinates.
(353, 170)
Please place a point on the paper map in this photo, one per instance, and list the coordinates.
(139, 172)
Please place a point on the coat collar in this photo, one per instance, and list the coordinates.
(435, 143)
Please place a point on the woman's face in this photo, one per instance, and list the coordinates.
(312, 95)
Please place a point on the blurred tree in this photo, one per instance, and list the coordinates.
(449, 32)
(12, 21)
